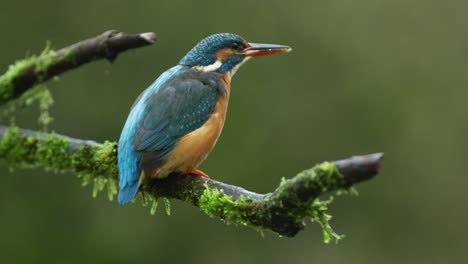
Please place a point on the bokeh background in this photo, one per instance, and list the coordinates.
(364, 76)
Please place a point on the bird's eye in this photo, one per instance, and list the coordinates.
(237, 46)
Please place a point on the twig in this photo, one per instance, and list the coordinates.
(29, 72)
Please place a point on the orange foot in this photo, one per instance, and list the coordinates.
(199, 173)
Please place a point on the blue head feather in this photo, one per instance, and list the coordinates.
(204, 53)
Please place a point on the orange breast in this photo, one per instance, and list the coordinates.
(193, 148)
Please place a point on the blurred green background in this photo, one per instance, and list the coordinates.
(364, 76)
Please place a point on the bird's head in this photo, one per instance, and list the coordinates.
(225, 53)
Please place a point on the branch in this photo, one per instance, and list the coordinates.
(283, 211)
(29, 72)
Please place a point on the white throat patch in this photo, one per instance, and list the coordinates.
(209, 68)
(234, 70)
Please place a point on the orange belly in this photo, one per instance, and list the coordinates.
(193, 148)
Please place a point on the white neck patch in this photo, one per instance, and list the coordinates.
(234, 70)
(209, 68)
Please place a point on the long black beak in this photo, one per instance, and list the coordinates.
(259, 49)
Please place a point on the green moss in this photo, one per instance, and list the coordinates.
(39, 94)
(16, 150)
(111, 188)
(45, 99)
(39, 63)
(215, 202)
(53, 151)
(154, 206)
(7, 79)
(318, 213)
(43, 63)
(326, 177)
(322, 178)
(69, 55)
(95, 165)
(106, 157)
(148, 199)
(167, 205)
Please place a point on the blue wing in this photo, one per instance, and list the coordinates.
(179, 107)
(128, 158)
(179, 102)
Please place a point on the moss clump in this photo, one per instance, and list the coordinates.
(95, 165)
(326, 177)
(39, 94)
(151, 199)
(17, 69)
(17, 150)
(99, 160)
(154, 206)
(322, 178)
(111, 188)
(38, 63)
(44, 61)
(31, 151)
(296, 197)
(53, 151)
(148, 199)
(318, 213)
(45, 99)
(215, 202)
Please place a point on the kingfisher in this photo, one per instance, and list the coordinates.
(175, 123)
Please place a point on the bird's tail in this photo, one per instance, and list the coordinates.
(129, 175)
(127, 192)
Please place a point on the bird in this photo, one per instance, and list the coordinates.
(174, 124)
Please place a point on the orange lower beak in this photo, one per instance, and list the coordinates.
(257, 49)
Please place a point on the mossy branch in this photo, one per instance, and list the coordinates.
(283, 211)
(34, 70)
